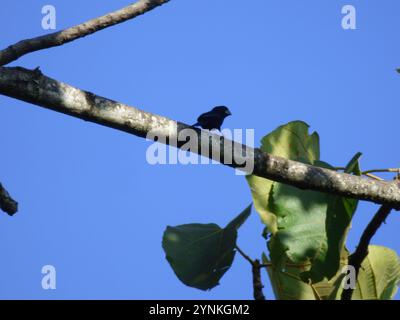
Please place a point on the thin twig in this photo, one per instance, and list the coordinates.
(266, 265)
(338, 168)
(361, 252)
(23, 47)
(244, 255)
(395, 170)
(373, 176)
(7, 204)
(369, 174)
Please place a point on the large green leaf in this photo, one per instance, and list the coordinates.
(385, 264)
(312, 227)
(378, 277)
(200, 254)
(290, 141)
(301, 218)
(339, 213)
(305, 226)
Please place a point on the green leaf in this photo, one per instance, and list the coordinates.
(301, 216)
(290, 141)
(379, 275)
(240, 219)
(260, 189)
(354, 165)
(200, 254)
(339, 213)
(378, 278)
(306, 226)
(288, 285)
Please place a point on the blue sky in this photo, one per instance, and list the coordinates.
(93, 207)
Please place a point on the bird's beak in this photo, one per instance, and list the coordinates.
(228, 113)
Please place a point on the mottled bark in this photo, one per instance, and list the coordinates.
(33, 87)
(23, 47)
(7, 204)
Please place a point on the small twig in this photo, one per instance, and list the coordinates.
(369, 174)
(338, 168)
(361, 252)
(244, 255)
(7, 204)
(256, 271)
(395, 170)
(373, 176)
(266, 265)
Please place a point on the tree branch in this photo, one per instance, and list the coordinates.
(34, 87)
(257, 284)
(361, 252)
(23, 47)
(256, 272)
(7, 204)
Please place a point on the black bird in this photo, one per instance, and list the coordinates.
(213, 119)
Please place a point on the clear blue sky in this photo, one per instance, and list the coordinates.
(91, 205)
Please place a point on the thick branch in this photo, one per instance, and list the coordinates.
(361, 252)
(7, 204)
(23, 47)
(33, 87)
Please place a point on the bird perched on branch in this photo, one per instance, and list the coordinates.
(213, 119)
